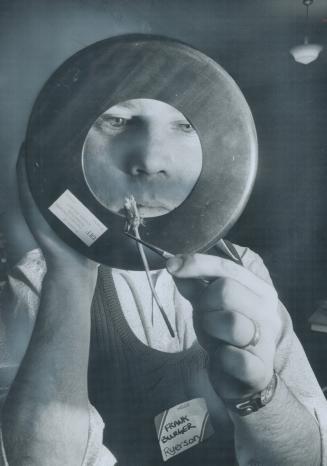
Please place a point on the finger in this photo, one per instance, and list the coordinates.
(227, 386)
(242, 365)
(230, 327)
(191, 289)
(30, 210)
(229, 295)
(23, 186)
(207, 266)
(55, 249)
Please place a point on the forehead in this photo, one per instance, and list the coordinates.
(146, 108)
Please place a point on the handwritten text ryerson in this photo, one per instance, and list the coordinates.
(183, 426)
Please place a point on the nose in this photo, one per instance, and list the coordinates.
(151, 156)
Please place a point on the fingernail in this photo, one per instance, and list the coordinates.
(174, 264)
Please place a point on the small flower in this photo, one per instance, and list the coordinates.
(133, 218)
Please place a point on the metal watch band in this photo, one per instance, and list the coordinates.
(252, 404)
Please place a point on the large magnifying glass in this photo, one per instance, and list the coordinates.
(149, 117)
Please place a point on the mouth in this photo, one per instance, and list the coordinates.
(147, 209)
(152, 210)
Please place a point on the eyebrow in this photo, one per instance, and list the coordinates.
(133, 106)
(128, 105)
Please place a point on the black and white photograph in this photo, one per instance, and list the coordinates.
(163, 233)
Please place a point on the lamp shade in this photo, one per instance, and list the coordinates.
(306, 53)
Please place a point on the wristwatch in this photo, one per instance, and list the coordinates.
(255, 402)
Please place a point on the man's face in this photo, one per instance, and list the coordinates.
(145, 148)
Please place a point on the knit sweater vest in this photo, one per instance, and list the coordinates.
(130, 383)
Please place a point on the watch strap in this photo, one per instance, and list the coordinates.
(246, 406)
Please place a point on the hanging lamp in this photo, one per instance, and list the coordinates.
(306, 52)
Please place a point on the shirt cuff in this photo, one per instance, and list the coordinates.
(96, 453)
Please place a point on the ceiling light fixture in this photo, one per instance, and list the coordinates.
(306, 53)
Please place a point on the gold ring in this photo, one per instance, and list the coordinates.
(256, 335)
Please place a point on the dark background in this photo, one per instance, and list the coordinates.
(286, 218)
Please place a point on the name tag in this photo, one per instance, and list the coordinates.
(182, 427)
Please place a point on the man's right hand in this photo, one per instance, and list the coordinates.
(57, 254)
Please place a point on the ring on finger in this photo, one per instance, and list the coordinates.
(256, 335)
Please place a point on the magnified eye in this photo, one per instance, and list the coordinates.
(111, 123)
(186, 127)
(114, 121)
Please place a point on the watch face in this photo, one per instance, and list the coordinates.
(256, 401)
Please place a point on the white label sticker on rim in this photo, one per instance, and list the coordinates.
(78, 218)
(182, 427)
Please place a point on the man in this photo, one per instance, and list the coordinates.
(133, 371)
